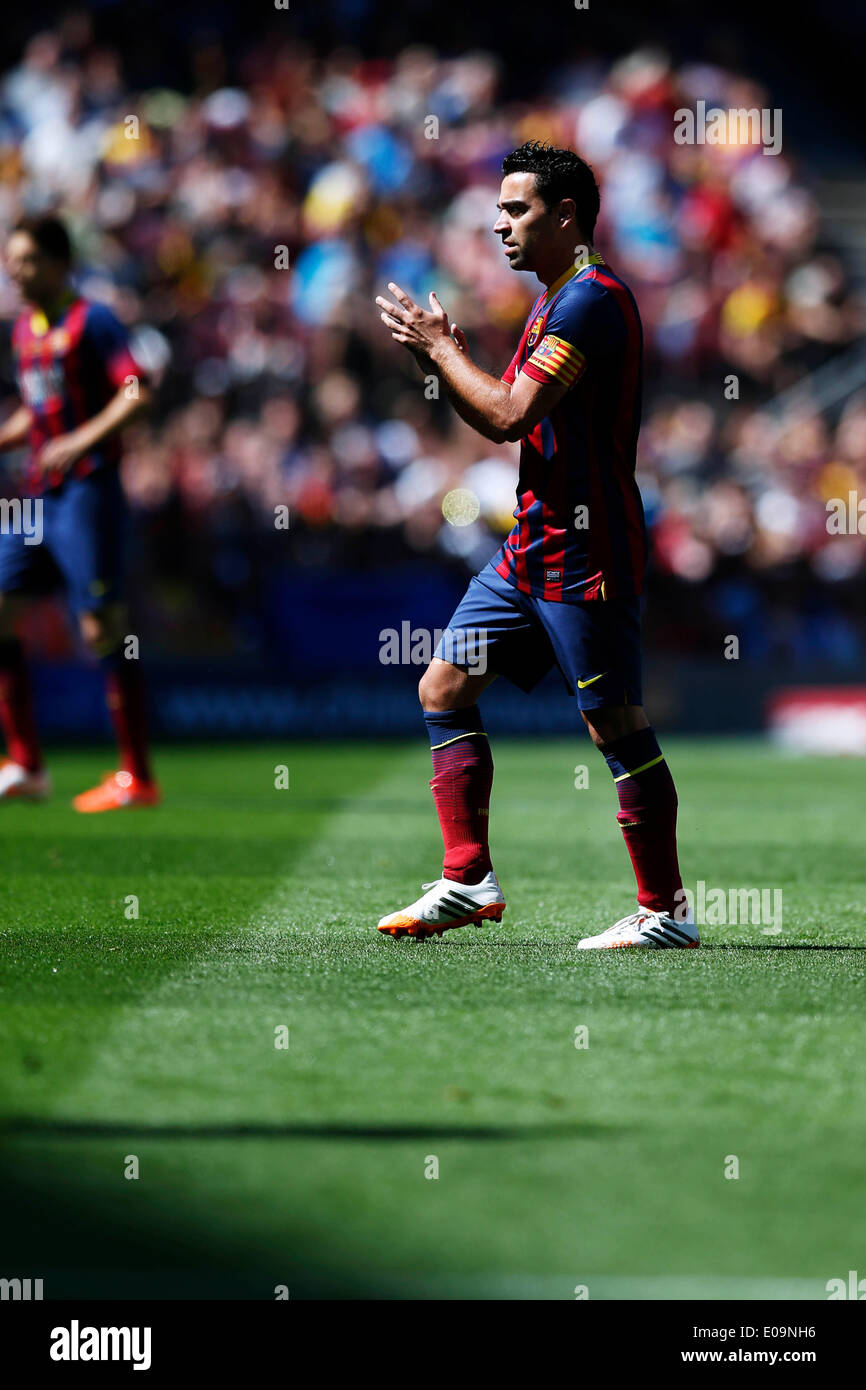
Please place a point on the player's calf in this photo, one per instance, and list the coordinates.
(133, 784)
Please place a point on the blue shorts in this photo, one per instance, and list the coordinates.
(596, 645)
(82, 547)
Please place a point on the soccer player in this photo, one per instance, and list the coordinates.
(75, 375)
(564, 587)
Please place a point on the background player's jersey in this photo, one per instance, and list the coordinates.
(580, 531)
(67, 371)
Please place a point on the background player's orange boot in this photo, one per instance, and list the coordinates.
(116, 791)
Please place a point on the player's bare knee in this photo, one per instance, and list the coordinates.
(432, 691)
(613, 721)
(593, 732)
(442, 686)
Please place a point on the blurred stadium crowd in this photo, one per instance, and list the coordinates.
(244, 228)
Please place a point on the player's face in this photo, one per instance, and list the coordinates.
(528, 229)
(40, 278)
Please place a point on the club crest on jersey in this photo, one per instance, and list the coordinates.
(534, 331)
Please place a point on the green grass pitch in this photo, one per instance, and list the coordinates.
(310, 1166)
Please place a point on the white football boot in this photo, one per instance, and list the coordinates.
(16, 781)
(644, 928)
(448, 904)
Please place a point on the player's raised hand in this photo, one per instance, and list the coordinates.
(422, 331)
(459, 337)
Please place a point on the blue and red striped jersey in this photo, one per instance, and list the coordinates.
(579, 523)
(67, 371)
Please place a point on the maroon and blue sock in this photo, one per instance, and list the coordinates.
(647, 817)
(462, 779)
(16, 707)
(125, 697)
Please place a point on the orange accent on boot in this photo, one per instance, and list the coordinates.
(413, 926)
(116, 792)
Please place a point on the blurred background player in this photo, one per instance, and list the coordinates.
(79, 385)
(564, 587)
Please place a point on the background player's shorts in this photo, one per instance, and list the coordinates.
(596, 645)
(84, 532)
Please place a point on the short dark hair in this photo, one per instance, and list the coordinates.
(50, 236)
(558, 174)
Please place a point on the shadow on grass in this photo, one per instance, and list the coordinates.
(69, 1224)
(74, 1129)
(70, 1219)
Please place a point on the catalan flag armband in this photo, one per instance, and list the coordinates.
(559, 359)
